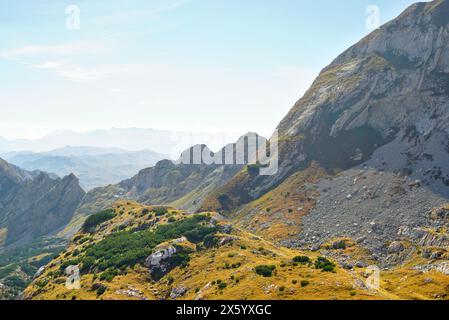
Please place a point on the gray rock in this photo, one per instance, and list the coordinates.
(227, 228)
(361, 264)
(178, 292)
(225, 240)
(157, 259)
(39, 272)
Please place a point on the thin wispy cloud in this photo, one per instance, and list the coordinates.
(136, 15)
(71, 72)
(67, 49)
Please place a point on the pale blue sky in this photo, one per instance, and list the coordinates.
(196, 65)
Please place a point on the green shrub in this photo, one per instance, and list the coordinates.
(41, 283)
(109, 275)
(128, 248)
(98, 218)
(179, 259)
(265, 270)
(160, 211)
(67, 263)
(87, 264)
(324, 264)
(304, 283)
(211, 241)
(101, 289)
(301, 259)
(339, 245)
(222, 285)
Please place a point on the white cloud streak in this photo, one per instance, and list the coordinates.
(123, 17)
(68, 49)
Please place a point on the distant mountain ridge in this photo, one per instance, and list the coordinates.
(94, 167)
(171, 142)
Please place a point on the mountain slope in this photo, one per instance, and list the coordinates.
(363, 180)
(33, 204)
(204, 257)
(376, 120)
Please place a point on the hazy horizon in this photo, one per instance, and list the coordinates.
(167, 142)
(179, 65)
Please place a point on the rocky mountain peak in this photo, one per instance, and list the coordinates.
(384, 103)
(13, 173)
(240, 152)
(417, 38)
(392, 81)
(34, 204)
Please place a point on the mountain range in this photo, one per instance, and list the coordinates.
(169, 142)
(363, 179)
(94, 167)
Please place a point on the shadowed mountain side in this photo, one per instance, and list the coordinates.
(34, 204)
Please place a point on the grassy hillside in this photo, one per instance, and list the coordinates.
(209, 259)
(18, 266)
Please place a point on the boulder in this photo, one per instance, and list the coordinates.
(39, 272)
(178, 292)
(225, 240)
(156, 260)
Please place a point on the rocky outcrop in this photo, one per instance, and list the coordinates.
(132, 293)
(442, 267)
(178, 292)
(39, 272)
(157, 260)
